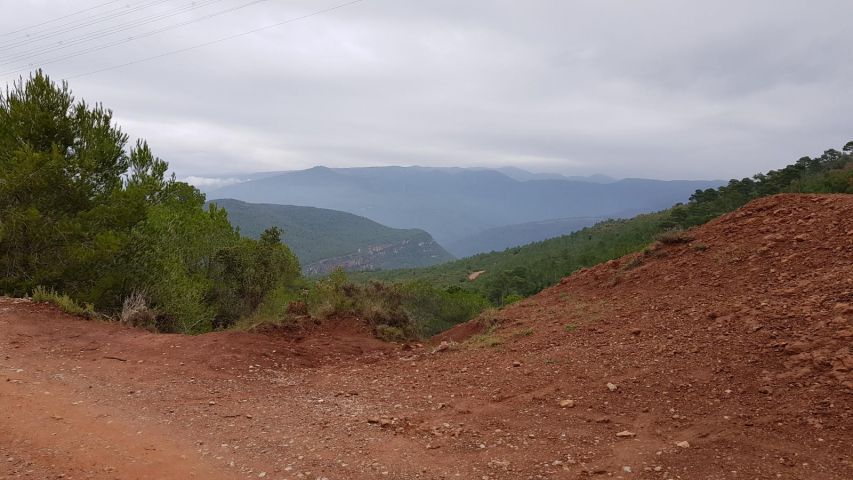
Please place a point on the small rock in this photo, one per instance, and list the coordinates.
(636, 331)
(211, 402)
(684, 444)
(626, 469)
(626, 434)
(612, 386)
(516, 363)
(567, 403)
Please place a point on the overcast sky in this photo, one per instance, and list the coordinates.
(664, 89)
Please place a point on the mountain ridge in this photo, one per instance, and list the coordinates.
(324, 239)
(454, 205)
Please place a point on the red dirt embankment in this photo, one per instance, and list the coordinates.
(726, 357)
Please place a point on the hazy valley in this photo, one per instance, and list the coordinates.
(459, 206)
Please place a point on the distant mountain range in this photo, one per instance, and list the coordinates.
(455, 204)
(208, 184)
(324, 239)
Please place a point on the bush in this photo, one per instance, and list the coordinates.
(390, 334)
(434, 310)
(512, 298)
(673, 237)
(243, 274)
(136, 313)
(699, 246)
(395, 311)
(635, 262)
(281, 307)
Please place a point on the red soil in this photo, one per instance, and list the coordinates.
(737, 343)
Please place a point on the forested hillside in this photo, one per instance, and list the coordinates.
(500, 238)
(523, 271)
(324, 239)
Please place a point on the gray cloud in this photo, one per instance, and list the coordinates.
(669, 89)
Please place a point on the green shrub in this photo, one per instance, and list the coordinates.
(512, 298)
(390, 334)
(404, 311)
(434, 310)
(245, 273)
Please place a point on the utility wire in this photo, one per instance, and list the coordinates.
(219, 40)
(90, 20)
(78, 12)
(77, 24)
(132, 38)
(105, 33)
(86, 23)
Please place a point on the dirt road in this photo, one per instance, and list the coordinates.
(724, 358)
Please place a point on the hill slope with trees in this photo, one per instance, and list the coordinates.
(325, 239)
(500, 238)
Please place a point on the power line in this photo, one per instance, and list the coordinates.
(105, 33)
(133, 38)
(58, 18)
(91, 21)
(219, 40)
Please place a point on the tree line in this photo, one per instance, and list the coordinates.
(86, 213)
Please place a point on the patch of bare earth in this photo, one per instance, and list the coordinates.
(728, 357)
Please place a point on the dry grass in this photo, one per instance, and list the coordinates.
(674, 237)
(135, 312)
(64, 302)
